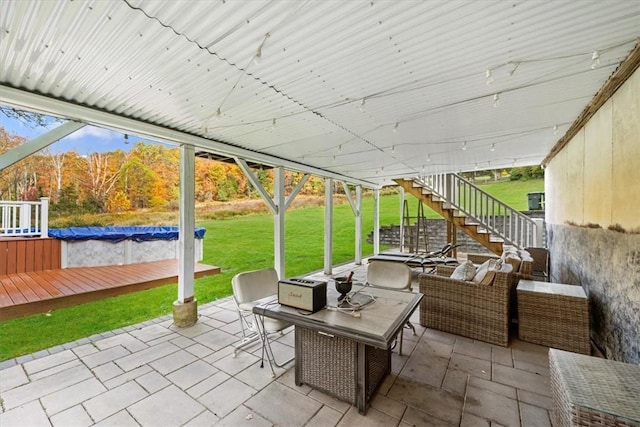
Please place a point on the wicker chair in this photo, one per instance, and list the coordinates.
(465, 308)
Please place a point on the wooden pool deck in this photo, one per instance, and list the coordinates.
(26, 293)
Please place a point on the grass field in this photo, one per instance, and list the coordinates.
(235, 243)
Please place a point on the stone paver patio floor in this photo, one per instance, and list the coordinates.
(155, 374)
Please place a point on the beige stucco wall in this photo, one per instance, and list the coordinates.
(591, 184)
(595, 179)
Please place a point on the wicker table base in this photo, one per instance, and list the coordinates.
(589, 391)
(339, 366)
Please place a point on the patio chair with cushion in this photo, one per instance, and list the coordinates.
(477, 308)
(391, 275)
(248, 289)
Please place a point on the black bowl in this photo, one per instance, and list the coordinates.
(342, 285)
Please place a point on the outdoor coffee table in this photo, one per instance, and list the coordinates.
(342, 355)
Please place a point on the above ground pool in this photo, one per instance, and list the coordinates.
(93, 246)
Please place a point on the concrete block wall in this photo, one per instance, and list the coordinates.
(437, 236)
(606, 264)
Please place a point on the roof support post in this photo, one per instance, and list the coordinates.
(358, 256)
(401, 219)
(376, 221)
(328, 225)
(187, 223)
(356, 207)
(185, 312)
(278, 219)
(36, 144)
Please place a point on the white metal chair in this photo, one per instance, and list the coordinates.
(391, 275)
(248, 289)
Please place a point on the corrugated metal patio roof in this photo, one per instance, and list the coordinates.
(370, 90)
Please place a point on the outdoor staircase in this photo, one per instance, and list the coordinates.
(484, 218)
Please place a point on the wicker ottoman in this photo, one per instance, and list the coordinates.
(589, 391)
(554, 315)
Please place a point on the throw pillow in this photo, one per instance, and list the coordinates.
(481, 272)
(464, 271)
(494, 267)
(514, 260)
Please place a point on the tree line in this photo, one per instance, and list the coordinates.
(147, 176)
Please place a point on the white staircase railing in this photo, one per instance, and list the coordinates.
(22, 219)
(496, 217)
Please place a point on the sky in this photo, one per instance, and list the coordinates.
(89, 139)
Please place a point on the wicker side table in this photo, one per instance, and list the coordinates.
(554, 315)
(589, 391)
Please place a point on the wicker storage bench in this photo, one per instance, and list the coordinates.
(589, 391)
(554, 315)
(328, 363)
(465, 308)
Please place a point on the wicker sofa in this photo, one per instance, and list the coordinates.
(524, 267)
(465, 308)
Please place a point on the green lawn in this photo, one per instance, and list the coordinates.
(236, 244)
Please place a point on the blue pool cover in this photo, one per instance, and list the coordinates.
(118, 234)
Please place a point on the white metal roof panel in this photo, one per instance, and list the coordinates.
(419, 64)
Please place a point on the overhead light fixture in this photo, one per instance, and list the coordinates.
(218, 113)
(395, 127)
(273, 124)
(496, 100)
(362, 106)
(595, 59)
(258, 56)
(126, 138)
(493, 147)
(555, 129)
(476, 165)
(340, 149)
(429, 157)
(464, 146)
(393, 149)
(489, 76)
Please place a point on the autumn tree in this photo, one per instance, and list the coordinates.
(103, 171)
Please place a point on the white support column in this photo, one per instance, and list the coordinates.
(538, 240)
(278, 221)
(328, 226)
(401, 219)
(185, 312)
(356, 208)
(358, 225)
(44, 217)
(376, 221)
